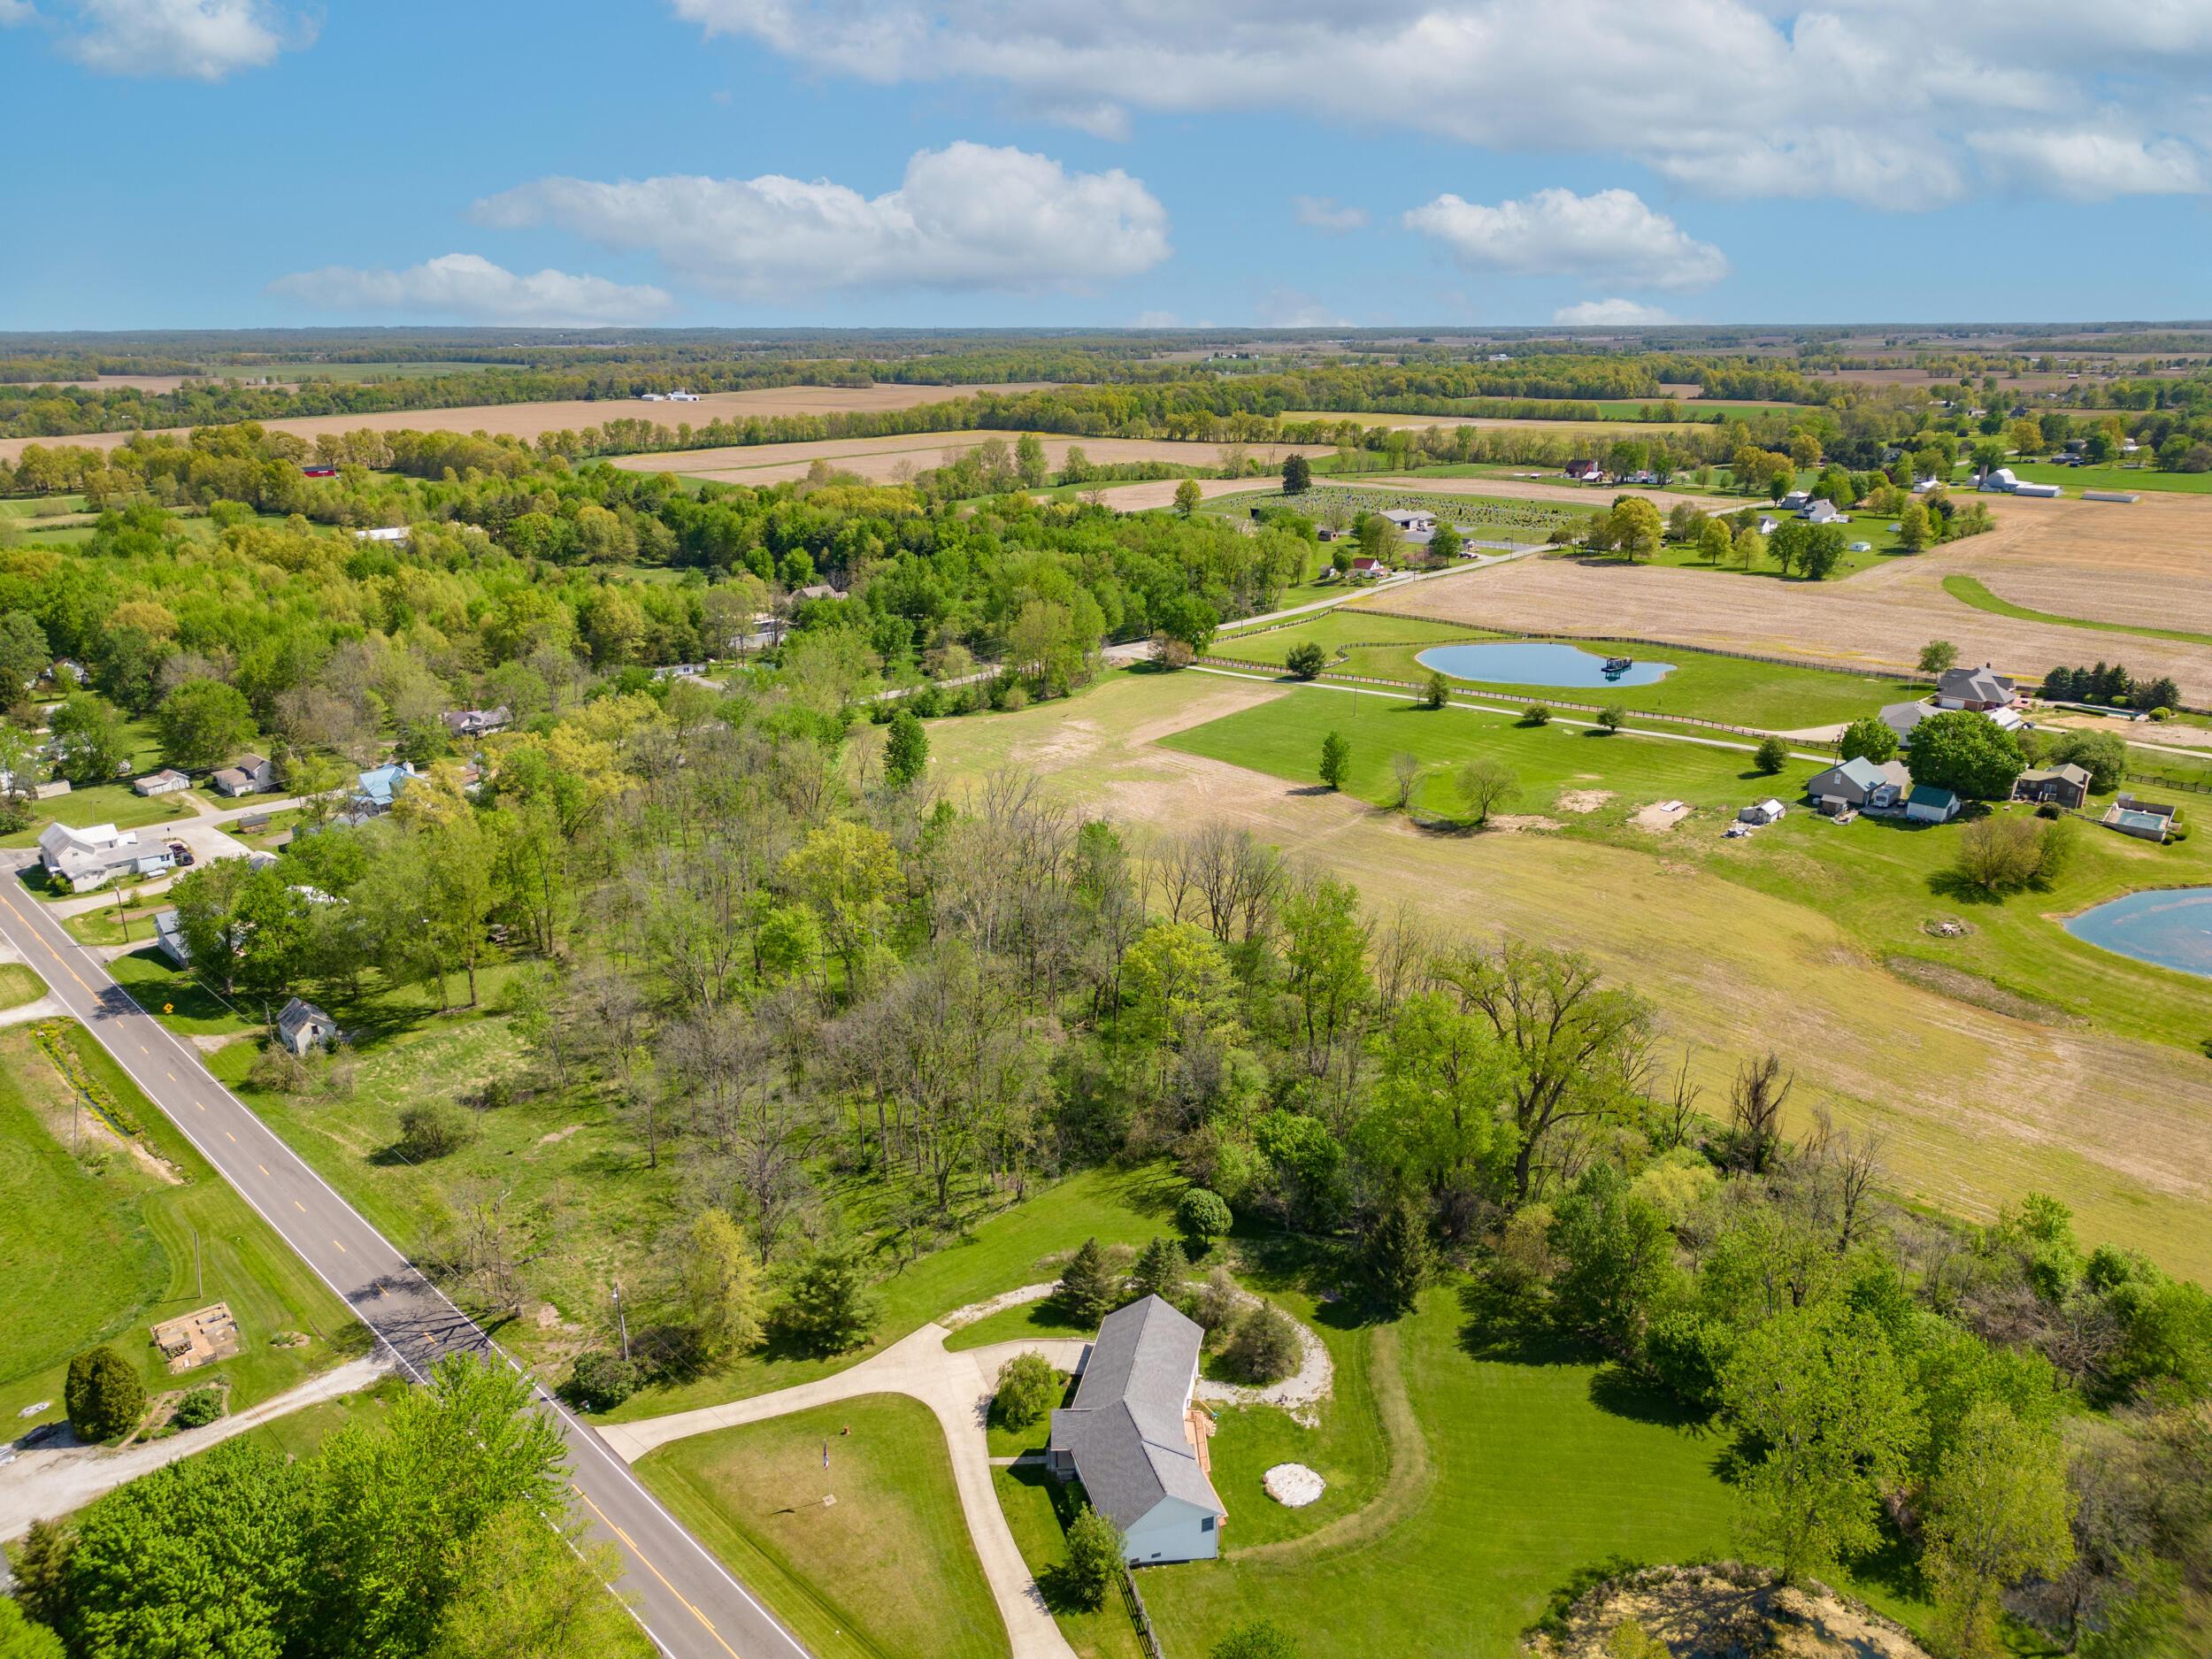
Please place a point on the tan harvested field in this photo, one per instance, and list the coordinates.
(143, 382)
(1979, 1108)
(1558, 428)
(1160, 492)
(2149, 565)
(528, 420)
(881, 459)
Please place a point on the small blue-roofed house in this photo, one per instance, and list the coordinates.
(380, 788)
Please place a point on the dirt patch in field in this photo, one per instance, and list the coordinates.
(529, 421)
(1582, 799)
(1515, 823)
(1728, 1612)
(1660, 817)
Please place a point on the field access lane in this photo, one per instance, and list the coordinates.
(687, 1601)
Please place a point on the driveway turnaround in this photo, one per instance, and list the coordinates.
(956, 1388)
(687, 1601)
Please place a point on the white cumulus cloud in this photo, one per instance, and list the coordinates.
(1813, 99)
(1609, 235)
(472, 288)
(2092, 166)
(1321, 212)
(1613, 313)
(193, 40)
(965, 216)
(15, 12)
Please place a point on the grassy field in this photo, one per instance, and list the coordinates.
(1514, 1466)
(1968, 590)
(1774, 696)
(1525, 520)
(2077, 479)
(96, 1246)
(886, 1572)
(19, 985)
(1878, 877)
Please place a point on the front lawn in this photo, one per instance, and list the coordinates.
(884, 1572)
(115, 803)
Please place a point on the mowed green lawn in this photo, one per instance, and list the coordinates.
(114, 804)
(1770, 697)
(886, 1572)
(96, 1248)
(19, 985)
(1522, 1479)
(1881, 878)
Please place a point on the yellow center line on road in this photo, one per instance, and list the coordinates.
(299, 1206)
(172, 1076)
(230, 1137)
(341, 1248)
(263, 1167)
(647, 1562)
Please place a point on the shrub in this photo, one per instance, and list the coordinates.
(1094, 1557)
(1536, 714)
(1264, 1347)
(276, 1069)
(198, 1408)
(2003, 855)
(1202, 1216)
(600, 1381)
(1027, 1388)
(102, 1394)
(1257, 1639)
(1217, 1305)
(1772, 755)
(1305, 660)
(431, 1131)
(1612, 717)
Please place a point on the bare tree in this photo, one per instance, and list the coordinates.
(1756, 1101)
(1681, 1109)
(1405, 770)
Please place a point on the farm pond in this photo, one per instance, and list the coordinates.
(2171, 926)
(1538, 663)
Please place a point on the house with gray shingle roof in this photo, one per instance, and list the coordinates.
(1132, 1438)
(1860, 784)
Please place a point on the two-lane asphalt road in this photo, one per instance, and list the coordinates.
(689, 1604)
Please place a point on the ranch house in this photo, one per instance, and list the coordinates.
(1135, 1441)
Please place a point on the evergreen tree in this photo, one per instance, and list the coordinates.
(1399, 1259)
(1094, 1557)
(1160, 1270)
(1336, 759)
(1089, 1289)
(827, 1304)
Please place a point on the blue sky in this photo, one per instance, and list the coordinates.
(239, 162)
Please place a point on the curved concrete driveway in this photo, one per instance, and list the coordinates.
(957, 1387)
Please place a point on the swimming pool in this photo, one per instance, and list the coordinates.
(2171, 926)
(1536, 662)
